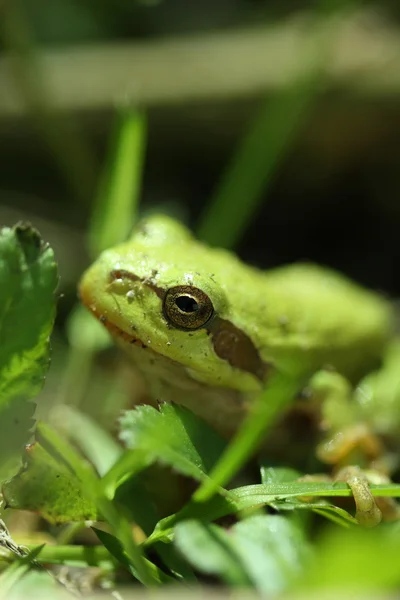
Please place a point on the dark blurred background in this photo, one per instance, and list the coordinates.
(202, 70)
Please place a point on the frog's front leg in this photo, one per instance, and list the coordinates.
(368, 513)
(348, 441)
(346, 438)
(370, 510)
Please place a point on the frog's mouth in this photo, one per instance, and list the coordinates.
(115, 331)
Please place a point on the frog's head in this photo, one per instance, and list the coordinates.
(165, 291)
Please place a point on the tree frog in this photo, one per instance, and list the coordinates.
(206, 330)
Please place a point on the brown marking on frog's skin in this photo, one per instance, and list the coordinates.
(230, 343)
(233, 345)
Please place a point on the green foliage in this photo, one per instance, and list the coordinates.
(28, 278)
(172, 435)
(270, 553)
(264, 551)
(48, 487)
(254, 535)
(114, 211)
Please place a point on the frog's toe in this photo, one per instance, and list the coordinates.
(368, 513)
(389, 507)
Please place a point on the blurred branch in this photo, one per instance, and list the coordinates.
(365, 60)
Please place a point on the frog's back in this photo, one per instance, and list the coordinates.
(316, 315)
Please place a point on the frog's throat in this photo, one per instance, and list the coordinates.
(229, 342)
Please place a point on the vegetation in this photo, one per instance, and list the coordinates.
(154, 499)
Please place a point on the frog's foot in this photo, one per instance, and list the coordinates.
(389, 507)
(370, 510)
(368, 513)
(345, 442)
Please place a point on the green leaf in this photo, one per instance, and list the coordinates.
(267, 551)
(35, 585)
(210, 549)
(272, 549)
(115, 548)
(18, 578)
(173, 436)
(63, 451)
(28, 278)
(11, 577)
(49, 488)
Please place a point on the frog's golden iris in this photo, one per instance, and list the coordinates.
(187, 307)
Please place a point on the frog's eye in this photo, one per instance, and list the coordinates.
(187, 307)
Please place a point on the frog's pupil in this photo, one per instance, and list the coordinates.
(187, 304)
(187, 307)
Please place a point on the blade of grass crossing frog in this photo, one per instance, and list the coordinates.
(267, 408)
(28, 279)
(251, 496)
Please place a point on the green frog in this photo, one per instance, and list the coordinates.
(206, 331)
